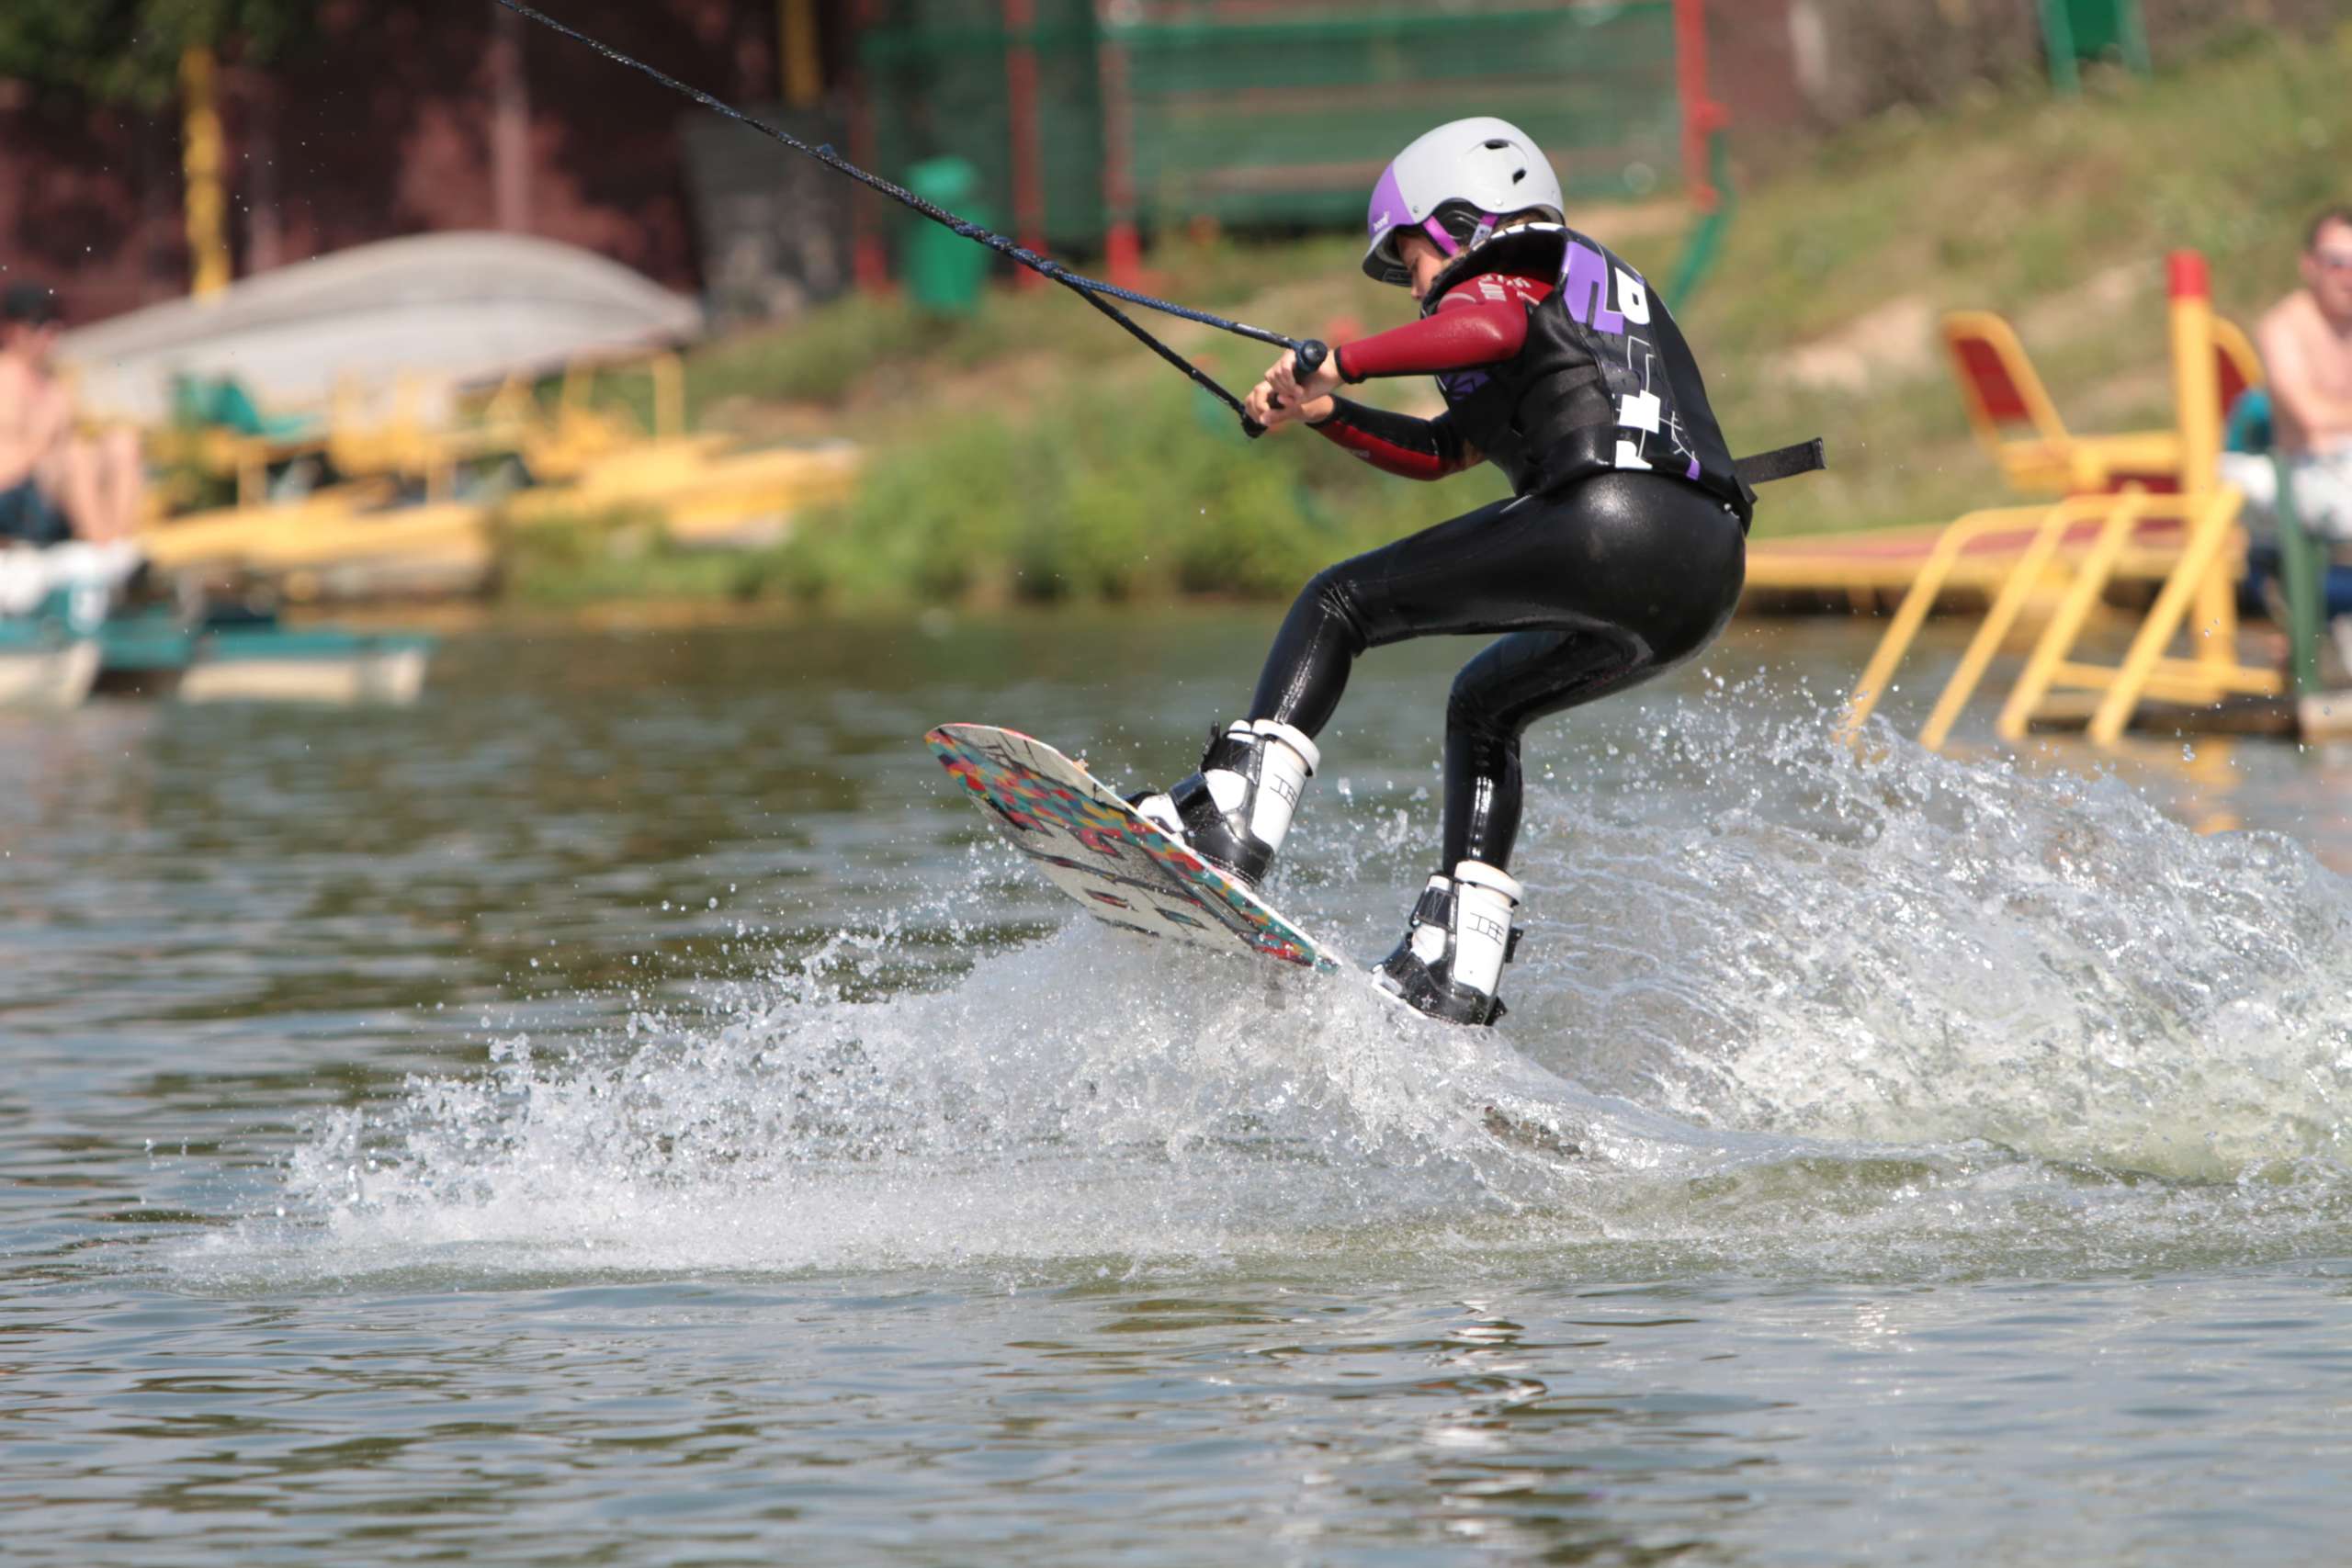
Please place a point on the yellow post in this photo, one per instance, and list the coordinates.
(2211, 525)
(2196, 403)
(2058, 637)
(669, 396)
(202, 159)
(1908, 618)
(2007, 607)
(804, 81)
(2196, 387)
(1913, 611)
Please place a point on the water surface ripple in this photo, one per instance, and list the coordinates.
(625, 1109)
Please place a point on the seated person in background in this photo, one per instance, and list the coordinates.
(54, 485)
(2306, 344)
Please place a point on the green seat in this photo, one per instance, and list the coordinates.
(2249, 427)
(222, 401)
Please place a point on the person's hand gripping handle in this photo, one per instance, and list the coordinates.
(1298, 377)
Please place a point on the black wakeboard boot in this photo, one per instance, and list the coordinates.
(1236, 811)
(1450, 963)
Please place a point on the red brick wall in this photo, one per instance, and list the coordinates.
(89, 203)
(384, 130)
(1752, 67)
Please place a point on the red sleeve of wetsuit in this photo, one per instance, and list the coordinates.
(1454, 337)
(1399, 442)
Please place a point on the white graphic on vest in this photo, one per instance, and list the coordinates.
(1635, 411)
(1643, 414)
(1632, 299)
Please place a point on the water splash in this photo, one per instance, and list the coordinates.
(1910, 949)
(1785, 1001)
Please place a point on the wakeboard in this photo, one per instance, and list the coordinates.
(1095, 848)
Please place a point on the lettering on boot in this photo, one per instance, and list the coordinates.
(1459, 939)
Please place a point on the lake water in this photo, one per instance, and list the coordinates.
(628, 1109)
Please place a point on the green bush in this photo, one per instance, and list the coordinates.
(1143, 489)
(624, 553)
(818, 357)
(1134, 489)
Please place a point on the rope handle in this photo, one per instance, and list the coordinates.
(1307, 357)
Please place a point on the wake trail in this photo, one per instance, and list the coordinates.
(1786, 1009)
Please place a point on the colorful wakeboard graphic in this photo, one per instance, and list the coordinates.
(1092, 845)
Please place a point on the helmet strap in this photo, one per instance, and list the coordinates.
(1436, 229)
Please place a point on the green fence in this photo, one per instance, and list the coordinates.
(936, 84)
(1293, 120)
(1280, 121)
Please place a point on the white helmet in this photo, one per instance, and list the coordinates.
(1452, 182)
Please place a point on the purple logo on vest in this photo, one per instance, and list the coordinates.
(1583, 284)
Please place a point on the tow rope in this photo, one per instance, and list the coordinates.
(1311, 352)
(1762, 468)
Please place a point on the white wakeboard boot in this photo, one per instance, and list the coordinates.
(1236, 811)
(1451, 962)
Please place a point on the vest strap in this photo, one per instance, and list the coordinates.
(1781, 463)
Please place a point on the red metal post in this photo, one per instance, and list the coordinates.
(1122, 250)
(510, 136)
(1021, 113)
(869, 261)
(1701, 115)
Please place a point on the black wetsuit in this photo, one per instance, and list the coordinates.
(1622, 555)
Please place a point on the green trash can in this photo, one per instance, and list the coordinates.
(945, 270)
(2076, 30)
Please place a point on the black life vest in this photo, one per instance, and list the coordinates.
(1605, 382)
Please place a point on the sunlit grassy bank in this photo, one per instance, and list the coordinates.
(1034, 452)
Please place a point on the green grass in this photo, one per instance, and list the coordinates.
(2005, 203)
(1150, 494)
(1031, 452)
(563, 562)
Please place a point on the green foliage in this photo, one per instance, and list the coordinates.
(569, 561)
(1132, 496)
(817, 358)
(129, 50)
(1031, 452)
(2054, 211)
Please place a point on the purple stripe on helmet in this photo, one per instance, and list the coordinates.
(1436, 231)
(1389, 208)
(1694, 469)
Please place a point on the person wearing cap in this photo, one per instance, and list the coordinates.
(54, 485)
(1621, 554)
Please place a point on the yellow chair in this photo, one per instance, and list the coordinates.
(2199, 552)
(2015, 422)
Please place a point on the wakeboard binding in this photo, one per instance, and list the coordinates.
(1236, 811)
(1458, 939)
